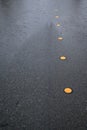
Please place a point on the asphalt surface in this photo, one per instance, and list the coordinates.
(32, 77)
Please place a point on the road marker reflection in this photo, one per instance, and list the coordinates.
(56, 10)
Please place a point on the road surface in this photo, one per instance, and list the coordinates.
(32, 76)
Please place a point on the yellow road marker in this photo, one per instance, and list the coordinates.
(68, 90)
(60, 38)
(58, 25)
(57, 16)
(62, 57)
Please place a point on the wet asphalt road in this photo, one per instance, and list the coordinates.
(32, 77)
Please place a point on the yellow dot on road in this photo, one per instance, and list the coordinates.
(68, 90)
(58, 25)
(60, 38)
(57, 16)
(62, 58)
